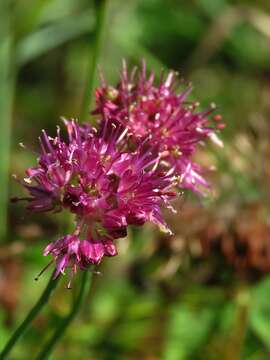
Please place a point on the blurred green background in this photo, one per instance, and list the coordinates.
(203, 293)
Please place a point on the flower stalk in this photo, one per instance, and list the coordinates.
(65, 322)
(19, 332)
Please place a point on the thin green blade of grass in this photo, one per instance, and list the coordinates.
(96, 50)
(6, 100)
(48, 38)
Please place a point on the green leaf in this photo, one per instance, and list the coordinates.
(48, 38)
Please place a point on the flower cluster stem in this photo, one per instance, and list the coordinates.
(65, 322)
(29, 318)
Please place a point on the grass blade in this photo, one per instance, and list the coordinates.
(6, 100)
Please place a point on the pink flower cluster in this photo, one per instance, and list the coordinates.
(121, 173)
(158, 112)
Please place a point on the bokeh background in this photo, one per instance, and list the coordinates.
(203, 293)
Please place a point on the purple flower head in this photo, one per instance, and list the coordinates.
(95, 176)
(162, 114)
(72, 252)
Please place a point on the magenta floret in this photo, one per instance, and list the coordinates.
(164, 115)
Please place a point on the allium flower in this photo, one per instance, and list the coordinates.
(159, 112)
(104, 185)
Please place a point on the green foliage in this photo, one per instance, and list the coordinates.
(188, 330)
(260, 314)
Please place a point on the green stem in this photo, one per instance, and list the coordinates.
(59, 332)
(100, 6)
(30, 317)
(7, 79)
